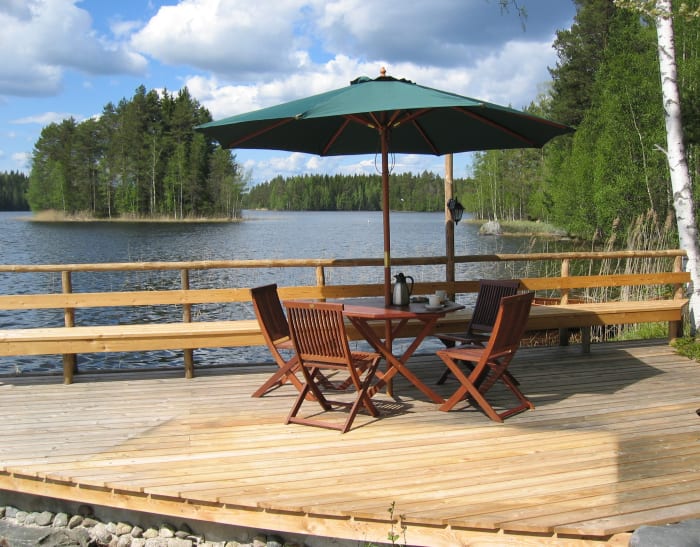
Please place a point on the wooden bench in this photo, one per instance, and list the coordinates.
(188, 335)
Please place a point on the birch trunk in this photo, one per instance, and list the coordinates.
(678, 165)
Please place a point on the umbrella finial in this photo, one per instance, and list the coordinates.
(382, 72)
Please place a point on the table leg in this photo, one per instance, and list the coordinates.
(397, 365)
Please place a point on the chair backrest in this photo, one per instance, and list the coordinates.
(491, 291)
(270, 313)
(511, 321)
(318, 332)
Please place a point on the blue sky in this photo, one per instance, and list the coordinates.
(61, 58)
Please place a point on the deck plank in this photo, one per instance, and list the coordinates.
(612, 444)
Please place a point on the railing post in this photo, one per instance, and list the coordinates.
(675, 328)
(320, 277)
(564, 299)
(70, 360)
(188, 354)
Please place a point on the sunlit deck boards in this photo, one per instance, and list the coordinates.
(614, 443)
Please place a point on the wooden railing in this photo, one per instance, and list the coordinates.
(564, 282)
(240, 329)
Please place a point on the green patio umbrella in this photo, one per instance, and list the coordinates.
(384, 115)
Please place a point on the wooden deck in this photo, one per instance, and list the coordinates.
(614, 443)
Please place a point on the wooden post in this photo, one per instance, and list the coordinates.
(188, 354)
(321, 277)
(449, 224)
(675, 328)
(70, 360)
(564, 333)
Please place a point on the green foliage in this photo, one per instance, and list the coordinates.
(142, 157)
(688, 347)
(13, 190)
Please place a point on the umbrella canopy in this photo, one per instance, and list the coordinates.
(384, 115)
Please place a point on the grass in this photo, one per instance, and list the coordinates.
(688, 347)
(528, 228)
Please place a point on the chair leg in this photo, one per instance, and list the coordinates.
(279, 378)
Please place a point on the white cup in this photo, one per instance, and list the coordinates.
(442, 295)
(434, 301)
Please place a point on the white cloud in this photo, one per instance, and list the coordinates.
(230, 37)
(47, 118)
(44, 38)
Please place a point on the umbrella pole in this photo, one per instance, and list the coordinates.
(385, 216)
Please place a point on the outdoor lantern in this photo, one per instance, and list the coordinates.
(456, 210)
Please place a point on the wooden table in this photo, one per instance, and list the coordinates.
(361, 311)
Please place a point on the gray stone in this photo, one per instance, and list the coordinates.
(492, 227)
(21, 516)
(136, 532)
(166, 531)
(156, 542)
(89, 522)
(2, 511)
(60, 520)
(150, 533)
(44, 518)
(124, 541)
(11, 512)
(683, 534)
(123, 528)
(101, 534)
(138, 542)
(177, 542)
(29, 519)
(75, 521)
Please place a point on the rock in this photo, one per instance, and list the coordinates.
(124, 541)
(75, 521)
(44, 518)
(136, 532)
(150, 533)
(138, 542)
(683, 534)
(21, 516)
(89, 522)
(29, 519)
(166, 531)
(60, 520)
(11, 512)
(177, 542)
(491, 228)
(123, 528)
(101, 534)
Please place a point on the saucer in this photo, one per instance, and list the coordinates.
(434, 308)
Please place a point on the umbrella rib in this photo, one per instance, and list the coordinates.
(335, 136)
(496, 125)
(427, 139)
(259, 132)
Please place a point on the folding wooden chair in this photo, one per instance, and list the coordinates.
(321, 343)
(483, 317)
(275, 329)
(491, 361)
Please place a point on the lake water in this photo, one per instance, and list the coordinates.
(263, 234)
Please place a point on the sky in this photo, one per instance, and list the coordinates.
(63, 58)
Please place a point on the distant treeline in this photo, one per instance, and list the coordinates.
(408, 192)
(139, 158)
(13, 191)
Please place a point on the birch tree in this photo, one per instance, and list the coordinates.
(681, 185)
